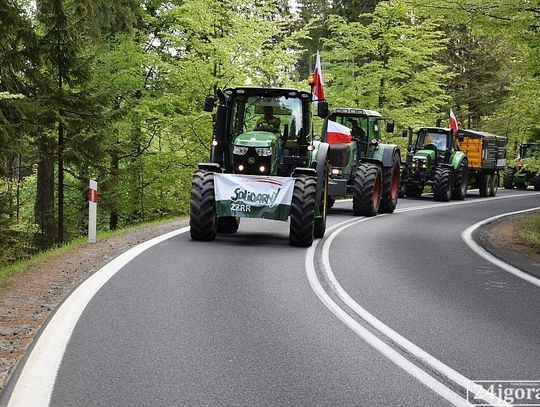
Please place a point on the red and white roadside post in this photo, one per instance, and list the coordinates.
(92, 211)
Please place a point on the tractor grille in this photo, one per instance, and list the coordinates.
(339, 154)
(251, 163)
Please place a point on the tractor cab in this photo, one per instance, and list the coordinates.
(262, 131)
(433, 146)
(529, 150)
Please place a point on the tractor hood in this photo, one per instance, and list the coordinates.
(425, 154)
(256, 139)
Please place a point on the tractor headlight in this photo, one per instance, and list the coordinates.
(240, 150)
(264, 152)
(336, 171)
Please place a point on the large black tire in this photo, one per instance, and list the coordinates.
(331, 201)
(403, 181)
(228, 224)
(509, 178)
(391, 186)
(536, 182)
(367, 190)
(202, 207)
(303, 211)
(414, 191)
(442, 184)
(320, 223)
(461, 181)
(494, 184)
(484, 185)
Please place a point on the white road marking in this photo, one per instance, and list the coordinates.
(378, 344)
(467, 237)
(35, 385)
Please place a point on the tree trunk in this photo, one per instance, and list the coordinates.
(60, 235)
(44, 204)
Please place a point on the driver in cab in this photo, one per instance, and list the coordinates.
(268, 120)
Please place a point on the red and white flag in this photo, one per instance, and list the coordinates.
(453, 123)
(337, 133)
(318, 90)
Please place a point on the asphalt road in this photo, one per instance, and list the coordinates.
(238, 321)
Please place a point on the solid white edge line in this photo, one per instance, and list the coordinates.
(468, 239)
(35, 384)
(404, 343)
(375, 342)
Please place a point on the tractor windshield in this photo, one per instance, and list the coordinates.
(263, 113)
(427, 139)
(530, 151)
(357, 124)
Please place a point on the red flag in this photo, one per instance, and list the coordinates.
(337, 133)
(318, 90)
(453, 123)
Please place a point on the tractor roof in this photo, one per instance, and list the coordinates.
(436, 129)
(271, 92)
(356, 112)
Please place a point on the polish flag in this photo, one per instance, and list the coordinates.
(337, 133)
(453, 123)
(318, 90)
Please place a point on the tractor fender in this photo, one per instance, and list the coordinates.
(456, 159)
(321, 163)
(304, 171)
(388, 151)
(210, 167)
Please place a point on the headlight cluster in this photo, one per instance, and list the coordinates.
(262, 152)
(240, 150)
(419, 164)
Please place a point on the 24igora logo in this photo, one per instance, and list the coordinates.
(504, 392)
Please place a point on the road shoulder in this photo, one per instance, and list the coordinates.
(501, 238)
(28, 299)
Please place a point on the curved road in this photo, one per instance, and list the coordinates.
(394, 310)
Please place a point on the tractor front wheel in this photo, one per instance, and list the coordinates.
(442, 184)
(391, 187)
(461, 181)
(202, 207)
(536, 181)
(509, 178)
(367, 190)
(228, 224)
(303, 211)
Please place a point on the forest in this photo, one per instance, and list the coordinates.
(113, 90)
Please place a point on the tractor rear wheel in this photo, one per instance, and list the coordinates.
(390, 192)
(367, 190)
(461, 181)
(484, 186)
(202, 207)
(494, 184)
(442, 184)
(536, 182)
(320, 223)
(509, 178)
(303, 211)
(414, 190)
(228, 224)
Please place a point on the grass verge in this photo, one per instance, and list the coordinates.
(530, 231)
(23, 266)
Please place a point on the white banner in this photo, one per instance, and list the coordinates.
(252, 196)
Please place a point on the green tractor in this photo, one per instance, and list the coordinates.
(435, 161)
(451, 163)
(519, 176)
(263, 164)
(359, 163)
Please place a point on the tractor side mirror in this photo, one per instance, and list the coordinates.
(322, 108)
(404, 133)
(390, 127)
(209, 103)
